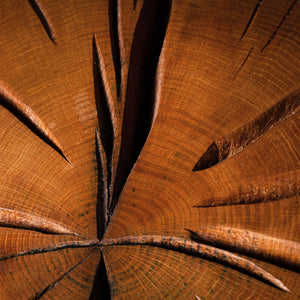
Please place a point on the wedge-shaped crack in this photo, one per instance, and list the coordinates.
(106, 111)
(268, 189)
(141, 96)
(14, 218)
(279, 251)
(239, 139)
(196, 249)
(44, 18)
(101, 279)
(28, 117)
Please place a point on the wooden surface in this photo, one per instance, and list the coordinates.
(149, 149)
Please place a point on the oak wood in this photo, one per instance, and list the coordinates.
(75, 223)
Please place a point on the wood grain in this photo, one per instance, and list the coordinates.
(190, 247)
(133, 94)
(282, 252)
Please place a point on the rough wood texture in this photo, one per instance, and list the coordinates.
(149, 149)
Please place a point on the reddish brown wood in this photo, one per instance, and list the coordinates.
(28, 116)
(13, 218)
(235, 142)
(190, 247)
(173, 115)
(272, 188)
(284, 252)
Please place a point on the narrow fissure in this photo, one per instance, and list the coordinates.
(279, 25)
(53, 247)
(116, 42)
(102, 192)
(251, 19)
(44, 18)
(53, 284)
(243, 63)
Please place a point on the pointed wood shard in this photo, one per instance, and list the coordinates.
(238, 140)
(28, 117)
(44, 18)
(14, 218)
(272, 188)
(192, 248)
(282, 252)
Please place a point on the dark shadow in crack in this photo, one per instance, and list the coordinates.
(44, 18)
(101, 288)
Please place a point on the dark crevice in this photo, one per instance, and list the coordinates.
(140, 102)
(239, 139)
(251, 19)
(32, 123)
(189, 247)
(243, 63)
(101, 288)
(209, 158)
(104, 110)
(53, 284)
(53, 247)
(274, 188)
(279, 25)
(116, 42)
(134, 4)
(44, 18)
(102, 193)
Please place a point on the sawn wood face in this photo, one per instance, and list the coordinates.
(149, 149)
